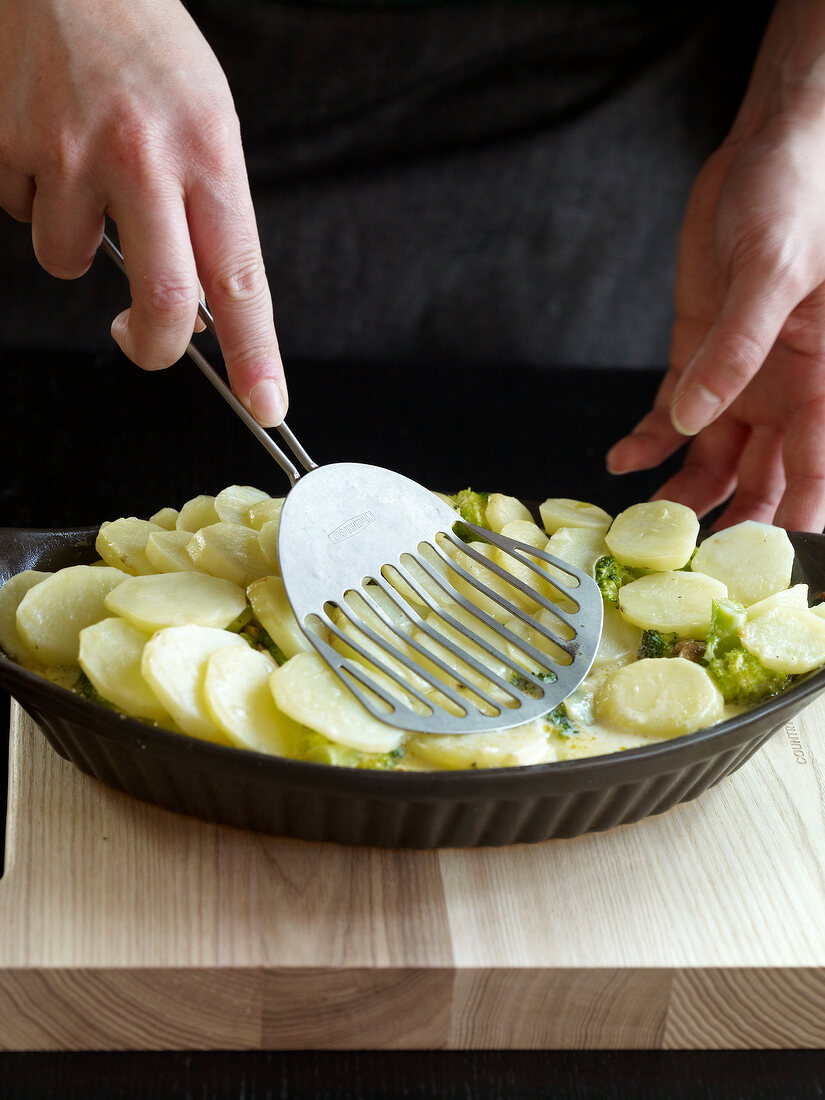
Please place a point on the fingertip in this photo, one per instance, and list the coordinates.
(268, 402)
(694, 408)
(120, 329)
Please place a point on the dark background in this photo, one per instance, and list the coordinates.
(88, 437)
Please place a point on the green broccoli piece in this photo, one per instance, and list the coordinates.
(726, 620)
(527, 686)
(237, 625)
(472, 507)
(258, 638)
(743, 679)
(86, 688)
(655, 643)
(610, 576)
(560, 722)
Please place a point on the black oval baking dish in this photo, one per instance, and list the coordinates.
(280, 797)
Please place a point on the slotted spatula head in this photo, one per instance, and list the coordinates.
(434, 634)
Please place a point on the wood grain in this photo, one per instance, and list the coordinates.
(123, 926)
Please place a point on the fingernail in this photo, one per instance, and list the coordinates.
(694, 410)
(266, 403)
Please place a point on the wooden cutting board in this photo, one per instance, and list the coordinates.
(123, 926)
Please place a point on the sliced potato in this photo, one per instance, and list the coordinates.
(786, 639)
(174, 599)
(559, 512)
(272, 609)
(460, 670)
(230, 551)
(110, 654)
(491, 581)
(52, 613)
(166, 550)
(307, 690)
(796, 596)
(11, 594)
(753, 559)
(233, 503)
(532, 535)
(122, 544)
(660, 697)
(676, 601)
(174, 664)
(265, 510)
(502, 510)
(657, 534)
(510, 748)
(196, 513)
(620, 639)
(268, 539)
(240, 703)
(166, 518)
(578, 546)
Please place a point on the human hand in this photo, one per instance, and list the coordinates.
(747, 375)
(120, 108)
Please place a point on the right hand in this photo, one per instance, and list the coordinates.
(120, 108)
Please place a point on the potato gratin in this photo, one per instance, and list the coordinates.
(184, 622)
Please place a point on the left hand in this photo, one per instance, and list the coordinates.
(747, 375)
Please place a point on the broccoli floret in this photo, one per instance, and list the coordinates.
(726, 620)
(86, 688)
(560, 722)
(258, 638)
(237, 625)
(655, 643)
(610, 576)
(472, 507)
(743, 679)
(527, 686)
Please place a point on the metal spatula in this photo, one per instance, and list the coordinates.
(370, 558)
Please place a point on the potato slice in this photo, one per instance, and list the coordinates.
(11, 595)
(578, 546)
(196, 513)
(52, 613)
(272, 609)
(657, 534)
(166, 550)
(122, 544)
(502, 510)
(491, 581)
(268, 540)
(659, 697)
(233, 503)
(797, 596)
(557, 512)
(174, 665)
(753, 559)
(240, 703)
(532, 535)
(511, 748)
(230, 551)
(166, 518)
(174, 599)
(110, 654)
(675, 601)
(307, 690)
(620, 639)
(265, 511)
(453, 661)
(786, 639)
